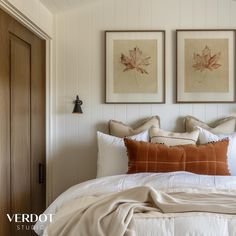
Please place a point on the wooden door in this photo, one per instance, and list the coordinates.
(22, 124)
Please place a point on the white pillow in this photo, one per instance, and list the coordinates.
(112, 155)
(206, 136)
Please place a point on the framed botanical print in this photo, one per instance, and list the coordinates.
(205, 66)
(135, 66)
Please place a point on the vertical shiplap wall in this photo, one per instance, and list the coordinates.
(79, 58)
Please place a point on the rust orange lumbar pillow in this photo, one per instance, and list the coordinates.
(208, 159)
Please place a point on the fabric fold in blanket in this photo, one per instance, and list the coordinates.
(113, 214)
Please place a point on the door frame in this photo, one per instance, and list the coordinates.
(24, 20)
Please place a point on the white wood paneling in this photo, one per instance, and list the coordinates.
(80, 69)
(199, 13)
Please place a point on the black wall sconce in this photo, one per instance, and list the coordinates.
(77, 107)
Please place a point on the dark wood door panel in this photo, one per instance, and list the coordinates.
(4, 125)
(20, 77)
(38, 132)
(22, 122)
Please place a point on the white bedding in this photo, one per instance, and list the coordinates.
(167, 224)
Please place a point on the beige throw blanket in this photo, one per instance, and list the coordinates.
(112, 214)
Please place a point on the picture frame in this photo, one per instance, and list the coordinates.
(205, 66)
(135, 66)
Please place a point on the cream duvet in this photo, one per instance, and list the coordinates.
(177, 203)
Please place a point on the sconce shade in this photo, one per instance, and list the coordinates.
(77, 107)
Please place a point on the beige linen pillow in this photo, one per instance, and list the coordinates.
(172, 138)
(222, 126)
(122, 130)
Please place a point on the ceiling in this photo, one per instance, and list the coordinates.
(57, 6)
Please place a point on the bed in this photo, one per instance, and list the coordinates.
(172, 203)
(151, 222)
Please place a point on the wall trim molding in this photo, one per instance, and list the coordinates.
(20, 17)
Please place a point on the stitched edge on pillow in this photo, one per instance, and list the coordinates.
(168, 137)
